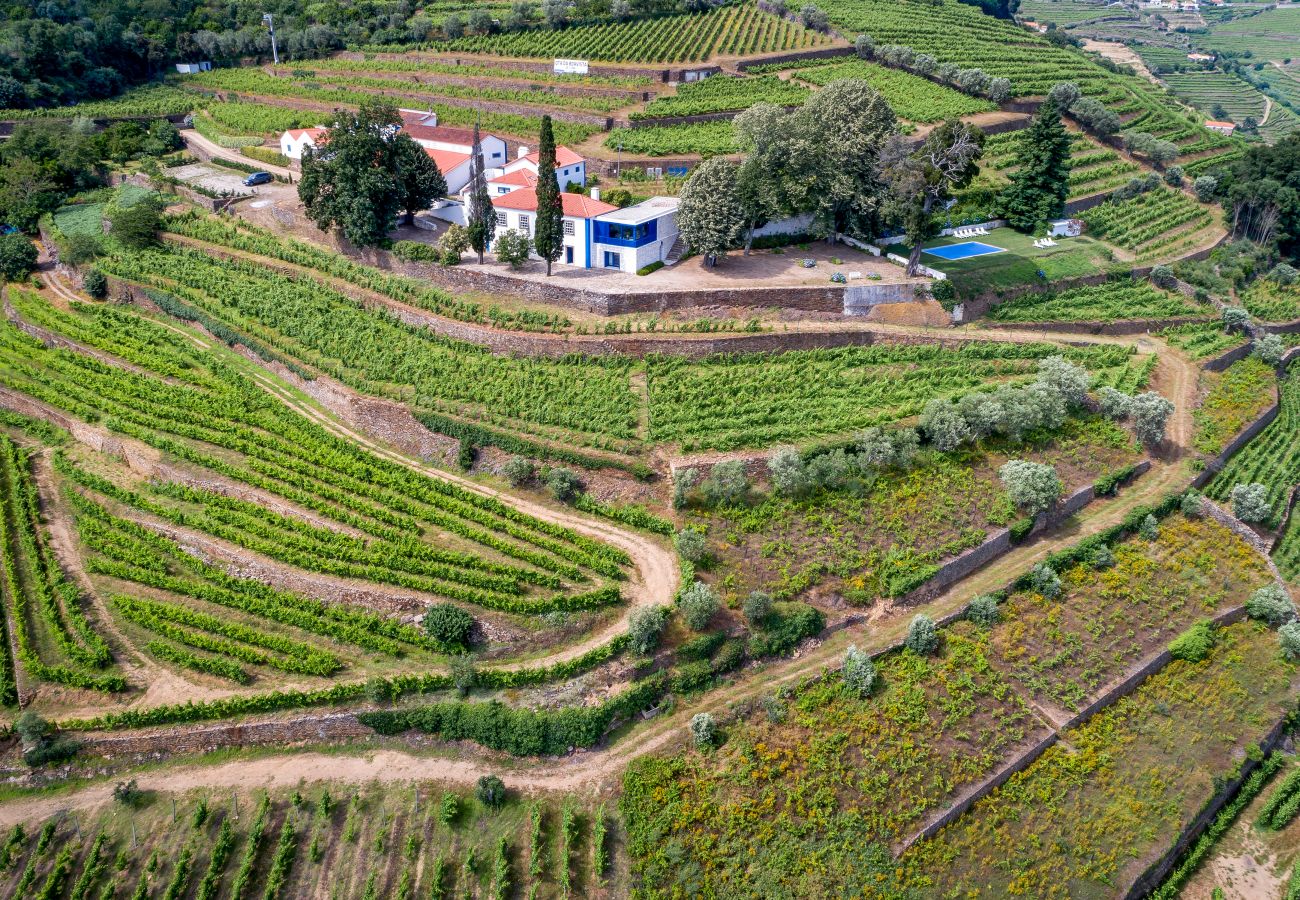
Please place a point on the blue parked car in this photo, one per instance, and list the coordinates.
(258, 178)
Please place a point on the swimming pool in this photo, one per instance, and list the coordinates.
(963, 251)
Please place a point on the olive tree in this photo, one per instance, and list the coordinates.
(703, 729)
(1151, 414)
(922, 635)
(691, 545)
(1032, 486)
(983, 610)
(645, 626)
(1250, 502)
(1271, 604)
(1044, 580)
(859, 671)
(1069, 379)
(944, 425)
(697, 603)
(1288, 638)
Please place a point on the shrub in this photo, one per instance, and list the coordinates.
(983, 610)
(1102, 557)
(465, 455)
(1044, 580)
(1192, 505)
(1235, 318)
(463, 674)
(1069, 379)
(1205, 187)
(1174, 176)
(944, 293)
(1194, 644)
(703, 729)
(1284, 274)
(95, 284)
(859, 671)
(83, 248)
(1250, 502)
(448, 809)
(788, 473)
(1270, 349)
(519, 470)
(922, 635)
(136, 226)
(453, 244)
(697, 603)
(512, 248)
(1163, 277)
(416, 251)
(944, 425)
(726, 485)
(378, 689)
(682, 484)
(1032, 486)
(17, 257)
(784, 628)
(1115, 405)
(128, 793)
(757, 607)
(490, 791)
(563, 484)
(1271, 604)
(691, 545)
(1150, 528)
(644, 627)
(448, 624)
(1288, 637)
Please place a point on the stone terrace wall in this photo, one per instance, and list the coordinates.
(203, 740)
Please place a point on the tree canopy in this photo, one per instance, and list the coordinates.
(1041, 184)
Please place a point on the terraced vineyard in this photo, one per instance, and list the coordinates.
(1208, 90)
(277, 486)
(428, 67)
(1270, 302)
(1202, 341)
(1157, 223)
(253, 84)
(957, 33)
(721, 93)
(1103, 303)
(771, 802)
(1272, 458)
(1270, 34)
(44, 612)
(913, 98)
(734, 30)
(1065, 12)
(1094, 168)
(722, 402)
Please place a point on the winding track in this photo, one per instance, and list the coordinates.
(597, 769)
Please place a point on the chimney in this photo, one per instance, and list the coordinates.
(522, 152)
(595, 193)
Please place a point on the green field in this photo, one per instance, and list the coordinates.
(1070, 258)
(1166, 59)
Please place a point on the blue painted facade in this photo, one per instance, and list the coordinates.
(619, 235)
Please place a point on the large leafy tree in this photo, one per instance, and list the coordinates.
(1039, 188)
(548, 236)
(1263, 194)
(836, 139)
(711, 216)
(763, 132)
(921, 178)
(418, 178)
(351, 182)
(482, 217)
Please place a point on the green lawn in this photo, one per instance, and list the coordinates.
(1070, 258)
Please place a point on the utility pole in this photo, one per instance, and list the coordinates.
(270, 23)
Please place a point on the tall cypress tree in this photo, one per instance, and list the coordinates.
(482, 217)
(548, 238)
(1038, 190)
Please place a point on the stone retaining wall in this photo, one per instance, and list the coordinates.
(657, 74)
(610, 303)
(745, 65)
(1156, 873)
(1235, 355)
(999, 542)
(204, 740)
(1215, 465)
(630, 95)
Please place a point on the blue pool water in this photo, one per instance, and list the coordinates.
(964, 251)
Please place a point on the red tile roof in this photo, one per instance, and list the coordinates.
(578, 206)
(518, 178)
(563, 157)
(296, 133)
(446, 160)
